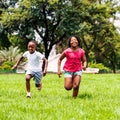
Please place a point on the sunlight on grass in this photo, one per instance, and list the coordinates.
(98, 98)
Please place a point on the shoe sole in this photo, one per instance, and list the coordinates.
(28, 96)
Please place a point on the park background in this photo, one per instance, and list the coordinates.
(52, 22)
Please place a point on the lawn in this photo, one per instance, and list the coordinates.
(98, 99)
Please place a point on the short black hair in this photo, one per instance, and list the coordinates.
(33, 41)
(78, 39)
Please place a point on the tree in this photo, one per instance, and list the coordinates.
(98, 34)
(4, 41)
(49, 20)
(54, 21)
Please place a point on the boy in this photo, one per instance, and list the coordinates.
(33, 67)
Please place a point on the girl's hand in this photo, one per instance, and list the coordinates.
(84, 68)
(59, 74)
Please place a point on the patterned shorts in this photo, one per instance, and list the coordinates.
(71, 74)
(37, 76)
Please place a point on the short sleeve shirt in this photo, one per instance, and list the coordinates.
(33, 61)
(73, 60)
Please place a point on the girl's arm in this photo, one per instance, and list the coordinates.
(59, 63)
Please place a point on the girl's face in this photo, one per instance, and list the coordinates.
(31, 47)
(73, 42)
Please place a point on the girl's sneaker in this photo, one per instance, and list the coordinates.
(28, 95)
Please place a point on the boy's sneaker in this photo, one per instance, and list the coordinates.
(38, 88)
(28, 95)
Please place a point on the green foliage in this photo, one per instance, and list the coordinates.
(55, 20)
(11, 54)
(102, 68)
(8, 57)
(10, 63)
(5, 67)
(98, 33)
(4, 41)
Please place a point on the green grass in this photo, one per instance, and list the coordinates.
(98, 99)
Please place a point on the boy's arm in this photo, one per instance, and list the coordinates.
(17, 63)
(45, 67)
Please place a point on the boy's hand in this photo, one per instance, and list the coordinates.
(14, 67)
(44, 73)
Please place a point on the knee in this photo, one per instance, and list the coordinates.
(27, 79)
(68, 87)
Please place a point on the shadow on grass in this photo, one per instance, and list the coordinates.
(85, 96)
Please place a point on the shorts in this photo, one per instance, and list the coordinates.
(37, 76)
(71, 74)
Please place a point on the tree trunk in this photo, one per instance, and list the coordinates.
(113, 66)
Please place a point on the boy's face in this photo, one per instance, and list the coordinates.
(31, 47)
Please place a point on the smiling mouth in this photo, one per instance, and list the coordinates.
(74, 43)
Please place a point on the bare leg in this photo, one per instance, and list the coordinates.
(76, 83)
(68, 84)
(28, 77)
(39, 86)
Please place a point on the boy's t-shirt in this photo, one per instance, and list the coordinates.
(33, 61)
(73, 60)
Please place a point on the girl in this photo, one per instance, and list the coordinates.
(75, 62)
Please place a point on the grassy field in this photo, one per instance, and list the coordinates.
(98, 99)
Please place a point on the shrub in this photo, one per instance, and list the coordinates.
(7, 65)
(10, 54)
(102, 68)
(10, 63)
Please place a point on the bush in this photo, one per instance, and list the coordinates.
(7, 65)
(102, 68)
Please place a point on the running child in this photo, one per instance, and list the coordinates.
(75, 62)
(34, 69)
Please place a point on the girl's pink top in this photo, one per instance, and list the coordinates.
(73, 60)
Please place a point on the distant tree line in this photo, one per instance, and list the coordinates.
(55, 20)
